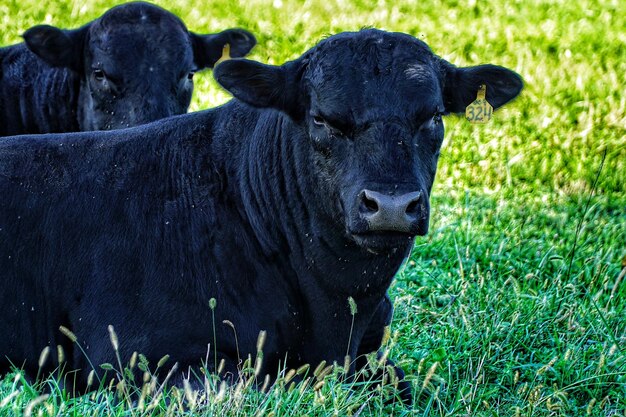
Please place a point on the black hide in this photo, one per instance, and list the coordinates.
(262, 208)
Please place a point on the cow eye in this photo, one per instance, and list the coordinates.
(319, 121)
(190, 75)
(98, 74)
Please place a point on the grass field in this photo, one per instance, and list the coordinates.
(515, 303)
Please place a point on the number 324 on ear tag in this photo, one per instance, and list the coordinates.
(480, 110)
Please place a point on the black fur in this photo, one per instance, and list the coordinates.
(132, 65)
(140, 228)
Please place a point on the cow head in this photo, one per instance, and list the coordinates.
(136, 63)
(371, 104)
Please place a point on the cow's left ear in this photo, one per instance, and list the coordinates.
(57, 47)
(262, 85)
(207, 49)
(460, 85)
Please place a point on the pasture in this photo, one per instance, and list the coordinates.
(514, 304)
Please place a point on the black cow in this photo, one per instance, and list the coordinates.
(133, 65)
(308, 188)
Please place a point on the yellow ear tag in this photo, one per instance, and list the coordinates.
(479, 111)
(225, 54)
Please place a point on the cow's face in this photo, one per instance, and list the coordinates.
(371, 105)
(136, 63)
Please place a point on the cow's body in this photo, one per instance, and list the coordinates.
(132, 65)
(141, 228)
(179, 214)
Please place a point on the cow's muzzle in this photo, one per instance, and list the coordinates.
(391, 213)
(386, 219)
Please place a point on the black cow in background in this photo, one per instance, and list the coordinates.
(133, 65)
(308, 188)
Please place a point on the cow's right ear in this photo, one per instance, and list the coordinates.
(261, 85)
(207, 49)
(461, 85)
(57, 47)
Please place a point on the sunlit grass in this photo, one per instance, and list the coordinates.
(496, 313)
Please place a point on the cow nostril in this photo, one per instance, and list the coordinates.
(412, 207)
(369, 204)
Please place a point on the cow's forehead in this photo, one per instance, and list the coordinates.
(373, 50)
(138, 12)
(373, 71)
(137, 23)
(142, 33)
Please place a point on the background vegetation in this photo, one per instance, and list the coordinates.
(515, 302)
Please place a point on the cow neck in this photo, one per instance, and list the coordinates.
(55, 93)
(40, 99)
(282, 196)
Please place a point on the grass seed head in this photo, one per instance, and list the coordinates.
(352, 304)
(260, 341)
(266, 383)
(304, 368)
(392, 372)
(290, 375)
(429, 375)
(8, 398)
(324, 372)
(304, 385)
(133, 360)
(568, 355)
(221, 393)
(121, 387)
(601, 363)
(90, 377)
(106, 366)
(258, 363)
(68, 333)
(162, 361)
(590, 406)
(420, 365)
(60, 354)
(43, 356)
(190, 394)
(386, 335)
(319, 368)
(28, 411)
(142, 397)
(547, 366)
(114, 340)
(247, 364)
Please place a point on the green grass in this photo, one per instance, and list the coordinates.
(515, 303)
